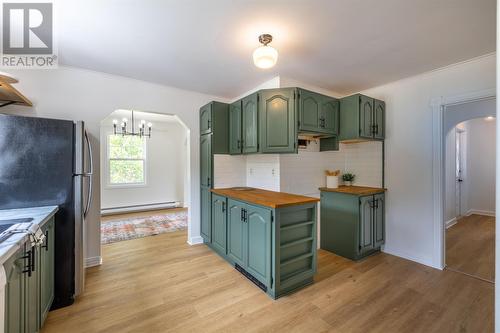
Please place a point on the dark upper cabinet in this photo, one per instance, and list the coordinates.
(235, 146)
(250, 124)
(361, 118)
(318, 114)
(277, 121)
(214, 119)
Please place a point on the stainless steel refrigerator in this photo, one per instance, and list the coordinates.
(49, 162)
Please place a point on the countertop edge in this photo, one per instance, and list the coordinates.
(272, 206)
(370, 192)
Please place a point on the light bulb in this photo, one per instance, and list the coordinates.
(150, 125)
(124, 120)
(115, 122)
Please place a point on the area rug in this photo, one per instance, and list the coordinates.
(125, 229)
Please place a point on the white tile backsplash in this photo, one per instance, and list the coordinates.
(301, 173)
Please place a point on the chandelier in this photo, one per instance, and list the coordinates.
(141, 131)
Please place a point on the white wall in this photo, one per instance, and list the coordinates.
(165, 169)
(481, 138)
(263, 171)
(70, 93)
(409, 152)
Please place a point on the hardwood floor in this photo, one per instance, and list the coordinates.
(470, 246)
(164, 285)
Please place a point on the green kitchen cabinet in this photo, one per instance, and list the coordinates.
(318, 114)
(236, 232)
(219, 224)
(32, 292)
(235, 144)
(15, 289)
(214, 119)
(361, 118)
(206, 160)
(277, 120)
(250, 125)
(47, 268)
(352, 226)
(206, 214)
(329, 144)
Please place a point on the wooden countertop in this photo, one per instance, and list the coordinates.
(264, 198)
(354, 190)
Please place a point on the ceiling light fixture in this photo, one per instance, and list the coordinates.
(265, 56)
(141, 131)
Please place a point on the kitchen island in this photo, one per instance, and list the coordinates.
(270, 237)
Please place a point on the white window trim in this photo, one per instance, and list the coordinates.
(110, 185)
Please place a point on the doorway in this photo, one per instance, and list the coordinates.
(469, 189)
(144, 163)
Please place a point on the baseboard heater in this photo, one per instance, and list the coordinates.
(139, 208)
(250, 277)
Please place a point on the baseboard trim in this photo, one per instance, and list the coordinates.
(140, 208)
(195, 240)
(93, 261)
(451, 223)
(480, 212)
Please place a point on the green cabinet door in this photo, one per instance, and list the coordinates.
(47, 270)
(366, 239)
(206, 216)
(206, 119)
(309, 111)
(236, 232)
(250, 124)
(329, 116)
(219, 223)
(32, 290)
(15, 293)
(379, 119)
(259, 243)
(206, 160)
(379, 219)
(277, 130)
(235, 128)
(365, 116)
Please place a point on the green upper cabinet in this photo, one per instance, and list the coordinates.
(317, 113)
(235, 146)
(259, 236)
(219, 223)
(206, 161)
(214, 119)
(361, 118)
(250, 124)
(277, 129)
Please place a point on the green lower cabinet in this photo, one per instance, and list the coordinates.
(206, 214)
(352, 226)
(29, 291)
(274, 248)
(219, 224)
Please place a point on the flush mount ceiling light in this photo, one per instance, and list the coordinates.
(265, 56)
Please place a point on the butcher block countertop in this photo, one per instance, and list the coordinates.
(354, 190)
(263, 197)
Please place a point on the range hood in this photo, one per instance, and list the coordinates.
(10, 95)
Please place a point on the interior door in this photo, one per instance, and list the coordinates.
(460, 207)
(309, 106)
(366, 239)
(235, 145)
(236, 233)
(259, 243)
(330, 115)
(365, 117)
(250, 124)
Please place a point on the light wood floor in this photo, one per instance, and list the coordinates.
(470, 246)
(164, 285)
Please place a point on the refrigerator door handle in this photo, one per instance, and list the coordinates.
(89, 175)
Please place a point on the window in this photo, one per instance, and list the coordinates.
(126, 160)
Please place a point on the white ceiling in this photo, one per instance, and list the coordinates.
(206, 46)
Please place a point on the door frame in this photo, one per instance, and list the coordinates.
(438, 106)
